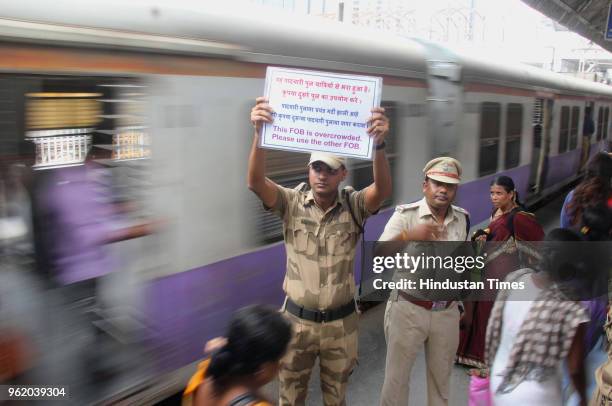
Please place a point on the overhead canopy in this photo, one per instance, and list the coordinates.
(585, 17)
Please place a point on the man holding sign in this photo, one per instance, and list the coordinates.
(321, 227)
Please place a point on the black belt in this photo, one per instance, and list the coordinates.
(320, 316)
(425, 304)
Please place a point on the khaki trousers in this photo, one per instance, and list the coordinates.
(407, 328)
(335, 344)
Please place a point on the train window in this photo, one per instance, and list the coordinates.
(573, 140)
(600, 126)
(514, 127)
(490, 114)
(564, 129)
(287, 169)
(606, 122)
(538, 112)
(362, 170)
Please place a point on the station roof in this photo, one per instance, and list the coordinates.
(584, 17)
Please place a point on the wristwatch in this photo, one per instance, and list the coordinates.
(381, 146)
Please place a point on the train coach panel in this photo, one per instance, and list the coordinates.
(601, 119)
(505, 145)
(601, 138)
(508, 106)
(201, 135)
(407, 145)
(564, 149)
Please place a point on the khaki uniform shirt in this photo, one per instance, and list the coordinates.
(320, 246)
(407, 216)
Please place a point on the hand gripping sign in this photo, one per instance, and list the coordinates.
(320, 111)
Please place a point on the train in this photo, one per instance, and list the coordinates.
(174, 82)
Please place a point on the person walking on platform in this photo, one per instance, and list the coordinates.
(596, 226)
(587, 209)
(534, 330)
(595, 189)
(321, 226)
(242, 362)
(511, 231)
(603, 375)
(588, 128)
(412, 320)
(75, 219)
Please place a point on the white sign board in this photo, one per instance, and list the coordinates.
(320, 111)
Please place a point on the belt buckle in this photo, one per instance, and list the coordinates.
(323, 316)
(437, 306)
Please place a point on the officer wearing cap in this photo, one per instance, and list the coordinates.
(321, 225)
(412, 319)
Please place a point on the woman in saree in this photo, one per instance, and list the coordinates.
(509, 238)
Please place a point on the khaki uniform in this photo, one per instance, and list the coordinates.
(320, 248)
(409, 326)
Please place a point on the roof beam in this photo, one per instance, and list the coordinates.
(572, 18)
(574, 13)
(584, 6)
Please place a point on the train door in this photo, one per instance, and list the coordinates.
(588, 128)
(541, 128)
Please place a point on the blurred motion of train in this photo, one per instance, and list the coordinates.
(174, 84)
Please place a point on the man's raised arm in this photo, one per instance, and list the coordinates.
(381, 189)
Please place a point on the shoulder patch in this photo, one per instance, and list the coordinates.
(461, 210)
(347, 190)
(403, 207)
(302, 187)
